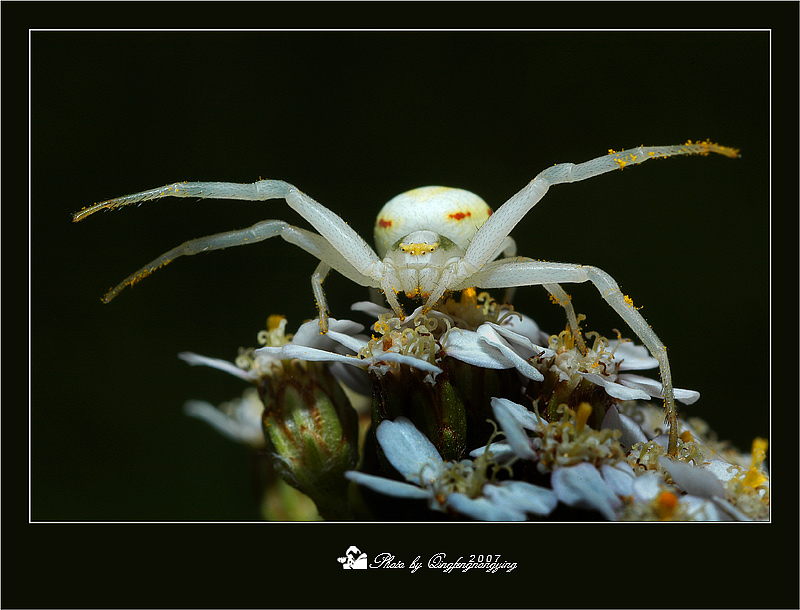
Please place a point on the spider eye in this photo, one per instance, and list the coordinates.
(417, 249)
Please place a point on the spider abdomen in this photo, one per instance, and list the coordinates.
(455, 213)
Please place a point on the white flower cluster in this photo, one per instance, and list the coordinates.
(617, 467)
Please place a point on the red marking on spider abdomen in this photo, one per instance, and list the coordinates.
(384, 224)
(459, 215)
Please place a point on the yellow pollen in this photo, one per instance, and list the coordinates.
(469, 296)
(666, 503)
(274, 321)
(754, 478)
(686, 436)
(629, 302)
(417, 249)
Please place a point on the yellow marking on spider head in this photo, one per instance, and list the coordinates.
(418, 249)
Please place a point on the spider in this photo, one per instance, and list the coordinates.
(430, 241)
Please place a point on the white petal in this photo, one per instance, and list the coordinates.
(632, 433)
(302, 352)
(308, 334)
(466, 345)
(687, 397)
(527, 419)
(525, 326)
(700, 509)
(493, 338)
(500, 451)
(631, 356)
(389, 487)
(348, 327)
(729, 509)
(408, 450)
(370, 308)
(662, 440)
(483, 509)
(582, 486)
(216, 363)
(521, 342)
(619, 477)
(647, 486)
(615, 389)
(417, 363)
(349, 341)
(522, 496)
(654, 388)
(513, 428)
(354, 378)
(722, 469)
(240, 431)
(692, 479)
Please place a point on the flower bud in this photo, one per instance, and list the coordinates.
(451, 411)
(313, 431)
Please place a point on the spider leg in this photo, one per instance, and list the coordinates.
(312, 243)
(338, 233)
(508, 249)
(317, 278)
(505, 218)
(387, 285)
(528, 272)
(562, 298)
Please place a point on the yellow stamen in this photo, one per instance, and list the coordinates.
(274, 321)
(584, 411)
(754, 477)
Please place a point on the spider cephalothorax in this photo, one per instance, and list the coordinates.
(429, 241)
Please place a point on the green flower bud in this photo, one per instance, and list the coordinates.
(313, 431)
(451, 410)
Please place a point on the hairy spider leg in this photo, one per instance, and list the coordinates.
(340, 235)
(522, 271)
(339, 246)
(314, 244)
(562, 298)
(506, 217)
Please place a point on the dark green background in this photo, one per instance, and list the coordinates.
(353, 119)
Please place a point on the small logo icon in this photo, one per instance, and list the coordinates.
(353, 559)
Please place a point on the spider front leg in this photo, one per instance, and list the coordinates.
(317, 278)
(338, 234)
(528, 272)
(388, 283)
(312, 243)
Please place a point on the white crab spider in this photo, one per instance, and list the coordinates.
(430, 241)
